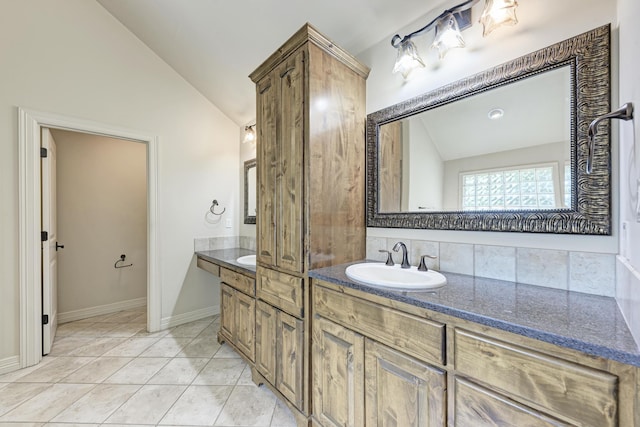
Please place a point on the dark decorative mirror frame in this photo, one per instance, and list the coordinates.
(248, 219)
(588, 56)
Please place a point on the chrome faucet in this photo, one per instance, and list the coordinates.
(405, 255)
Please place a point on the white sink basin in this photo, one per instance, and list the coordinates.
(247, 260)
(379, 274)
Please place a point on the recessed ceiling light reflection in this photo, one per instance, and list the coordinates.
(495, 114)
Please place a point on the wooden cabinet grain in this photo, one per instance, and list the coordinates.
(237, 312)
(484, 376)
(310, 122)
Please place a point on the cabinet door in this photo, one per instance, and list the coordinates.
(227, 317)
(337, 375)
(245, 312)
(265, 361)
(476, 406)
(267, 152)
(402, 391)
(290, 176)
(290, 358)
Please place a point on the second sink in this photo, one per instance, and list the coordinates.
(378, 274)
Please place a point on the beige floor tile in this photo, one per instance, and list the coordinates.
(21, 424)
(66, 345)
(221, 372)
(125, 331)
(95, 329)
(200, 347)
(123, 317)
(198, 406)
(14, 394)
(226, 352)
(68, 329)
(15, 375)
(138, 371)
(179, 371)
(148, 405)
(132, 347)
(245, 378)
(98, 404)
(192, 329)
(97, 346)
(97, 370)
(248, 406)
(70, 425)
(282, 416)
(48, 403)
(166, 347)
(56, 370)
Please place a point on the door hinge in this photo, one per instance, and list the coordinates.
(44, 236)
(43, 152)
(45, 319)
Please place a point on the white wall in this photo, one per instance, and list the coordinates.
(542, 22)
(71, 57)
(102, 213)
(425, 168)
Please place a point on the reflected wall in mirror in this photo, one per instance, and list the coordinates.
(250, 185)
(503, 150)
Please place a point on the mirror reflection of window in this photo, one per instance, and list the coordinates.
(527, 187)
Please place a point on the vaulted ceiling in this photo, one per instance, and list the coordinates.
(215, 44)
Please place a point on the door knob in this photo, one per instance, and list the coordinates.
(59, 246)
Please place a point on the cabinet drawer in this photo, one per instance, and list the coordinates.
(477, 406)
(564, 389)
(281, 290)
(208, 266)
(239, 281)
(418, 337)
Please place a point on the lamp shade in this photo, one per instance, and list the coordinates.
(408, 59)
(447, 35)
(497, 13)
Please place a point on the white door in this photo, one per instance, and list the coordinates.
(50, 245)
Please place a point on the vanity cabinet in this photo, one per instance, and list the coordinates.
(310, 123)
(359, 381)
(384, 363)
(237, 312)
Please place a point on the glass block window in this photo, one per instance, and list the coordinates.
(567, 185)
(526, 187)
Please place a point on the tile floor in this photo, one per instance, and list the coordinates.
(109, 370)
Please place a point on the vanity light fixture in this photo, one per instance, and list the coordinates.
(448, 27)
(495, 114)
(249, 134)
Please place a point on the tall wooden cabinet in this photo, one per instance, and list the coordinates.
(311, 195)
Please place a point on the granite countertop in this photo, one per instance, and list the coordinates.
(588, 323)
(227, 258)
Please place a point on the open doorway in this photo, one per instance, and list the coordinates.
(30, 128)
(95, 264)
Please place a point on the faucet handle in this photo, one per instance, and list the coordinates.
(389, 257)
(423, 264)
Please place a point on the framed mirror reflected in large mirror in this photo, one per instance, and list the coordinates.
(250, 195)
(502, 150)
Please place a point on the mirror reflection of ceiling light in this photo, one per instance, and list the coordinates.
(449, 25)
(495, 114)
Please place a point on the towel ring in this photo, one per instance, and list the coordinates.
(212, 209)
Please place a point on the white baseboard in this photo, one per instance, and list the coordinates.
(9, 364)
(99, 310)
(179, 319)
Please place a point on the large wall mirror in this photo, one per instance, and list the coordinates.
(503, 150)
(250, 185)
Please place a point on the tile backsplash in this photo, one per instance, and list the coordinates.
(628, 295)
(212, 243)
(593, 273)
